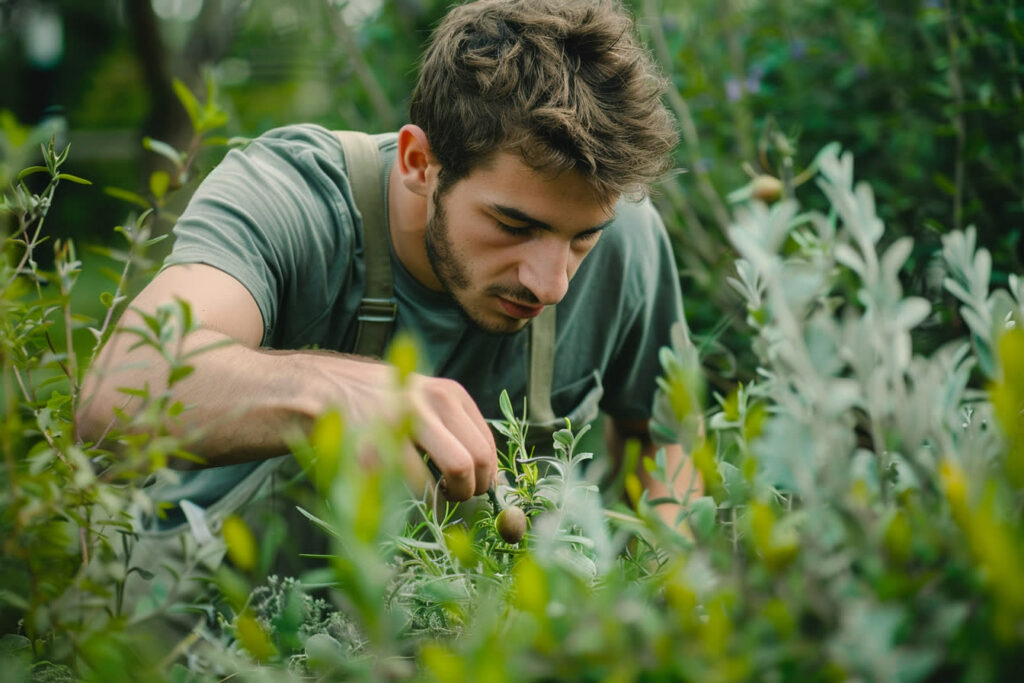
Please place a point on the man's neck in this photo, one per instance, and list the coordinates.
(407, 215)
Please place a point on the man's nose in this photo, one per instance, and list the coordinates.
(545, 271)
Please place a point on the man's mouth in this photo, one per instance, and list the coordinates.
(517, 310)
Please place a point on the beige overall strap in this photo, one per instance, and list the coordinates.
(378, 308)
(542, 362)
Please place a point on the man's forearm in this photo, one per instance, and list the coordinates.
(240, 403)
(684, 483)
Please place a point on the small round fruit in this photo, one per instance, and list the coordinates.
(511, 523)
(767, 188)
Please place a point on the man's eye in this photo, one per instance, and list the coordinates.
(512, 230)
(588, 236)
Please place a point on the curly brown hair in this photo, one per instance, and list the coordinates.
(564, 83)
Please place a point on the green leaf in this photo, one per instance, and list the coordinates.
(14, 600)
(107, 299)
(159, 181)
(190, 457)
(74, 179)
(186, 315)
(128, 196)
(144, 573)
(188, 101)
(32, 170)
(736, 485)
(943, 182)
(178, 374)
(702, 516)
(324, 654)
(163, 149)
(319, 522)
(506, 406)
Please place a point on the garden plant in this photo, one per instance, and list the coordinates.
(862, 518)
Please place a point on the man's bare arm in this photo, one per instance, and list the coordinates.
(687, 484)
(241, 400)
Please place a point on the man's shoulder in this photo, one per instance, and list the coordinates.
(310, 134)
(313, 136)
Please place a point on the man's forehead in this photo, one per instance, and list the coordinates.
(506, 183)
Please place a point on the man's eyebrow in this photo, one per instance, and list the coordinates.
(517, 215)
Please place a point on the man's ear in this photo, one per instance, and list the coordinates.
(417, 166)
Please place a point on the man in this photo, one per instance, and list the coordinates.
(535, 126)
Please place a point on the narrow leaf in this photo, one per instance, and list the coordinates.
(32, 170)
(163, 149)
(128, 196)
(74, 179)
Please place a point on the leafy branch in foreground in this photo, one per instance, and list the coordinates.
(66, 507)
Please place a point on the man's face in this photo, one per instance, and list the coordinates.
(506, 240)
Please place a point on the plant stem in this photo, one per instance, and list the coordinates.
(687, 126)
(959, 125)
(385, 112)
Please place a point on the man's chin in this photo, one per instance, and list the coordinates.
(505, 327)
(496, 324)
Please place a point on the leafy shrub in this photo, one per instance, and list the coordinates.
(863, 517)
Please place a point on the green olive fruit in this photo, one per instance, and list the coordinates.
(511, 524)
(767, 188)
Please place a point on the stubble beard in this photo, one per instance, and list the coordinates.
(454, 277)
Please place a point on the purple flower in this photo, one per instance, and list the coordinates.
(733, 90)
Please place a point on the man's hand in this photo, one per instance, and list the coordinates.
(447, 425)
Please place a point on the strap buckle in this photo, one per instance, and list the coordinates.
(377, 310)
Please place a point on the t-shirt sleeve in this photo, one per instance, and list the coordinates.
(275, 216)
(652, 297)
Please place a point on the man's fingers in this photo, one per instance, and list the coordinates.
(479, 448)
(455, 434)
(487, 469)
(452, 459)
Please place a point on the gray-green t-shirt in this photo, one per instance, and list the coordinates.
(279, 217)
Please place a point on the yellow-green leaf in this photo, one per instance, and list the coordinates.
(241, 543)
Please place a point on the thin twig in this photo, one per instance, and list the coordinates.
(183, 645)
(83, 539)
(688, 127)
(347, 37)
(959, 125)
